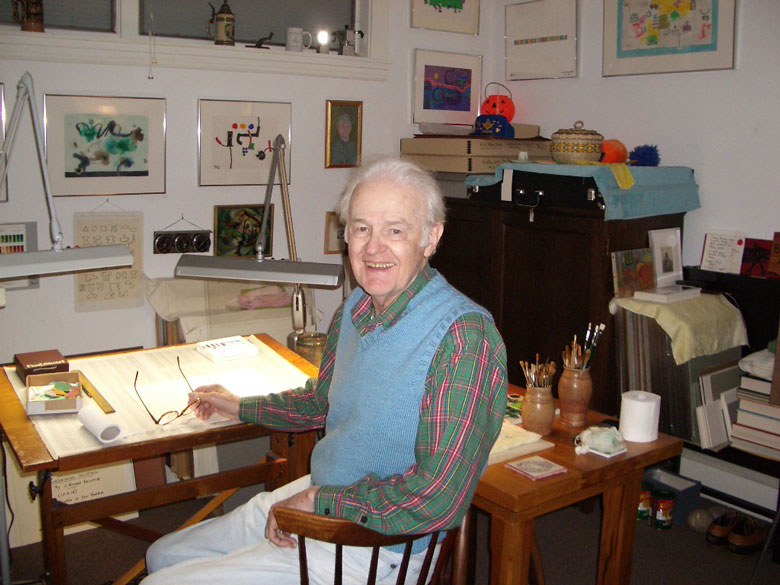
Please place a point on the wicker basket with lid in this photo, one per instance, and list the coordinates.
(570, 145)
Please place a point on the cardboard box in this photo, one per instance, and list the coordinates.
(43, 398)
(507, 148)
(40, 362)
(463, 164)
(686, 491)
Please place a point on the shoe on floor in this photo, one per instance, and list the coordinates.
(721, 527)
(746, 536)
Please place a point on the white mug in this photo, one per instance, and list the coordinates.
(295, 39)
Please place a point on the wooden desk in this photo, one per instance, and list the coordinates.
(30, 451)
(513, 502)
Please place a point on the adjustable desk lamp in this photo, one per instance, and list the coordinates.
(54, 261)
(263, 269)
(58, 259)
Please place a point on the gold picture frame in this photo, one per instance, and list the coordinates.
(343, 133)
(334, 234)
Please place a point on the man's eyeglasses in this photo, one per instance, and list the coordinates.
(171, 415)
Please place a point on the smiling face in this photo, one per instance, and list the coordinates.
(385, 234)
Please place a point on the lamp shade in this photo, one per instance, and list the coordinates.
(281, 271)
(64, 260)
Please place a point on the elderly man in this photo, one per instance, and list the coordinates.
(411, 391)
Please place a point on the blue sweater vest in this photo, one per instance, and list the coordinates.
(378, 385)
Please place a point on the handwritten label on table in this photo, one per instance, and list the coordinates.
(723, 252)
(118, 287)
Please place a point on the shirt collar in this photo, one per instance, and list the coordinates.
(363, 316)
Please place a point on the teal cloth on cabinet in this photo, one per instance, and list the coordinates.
(656, 190)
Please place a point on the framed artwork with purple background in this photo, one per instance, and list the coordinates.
(446, 87)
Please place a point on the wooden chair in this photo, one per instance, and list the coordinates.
(343, 532)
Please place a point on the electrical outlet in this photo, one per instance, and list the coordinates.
(181, 241)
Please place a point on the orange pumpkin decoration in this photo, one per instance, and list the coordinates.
(498, 104)
(614, 151)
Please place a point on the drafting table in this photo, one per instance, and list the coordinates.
(78, 450)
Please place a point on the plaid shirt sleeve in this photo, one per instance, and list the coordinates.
(298, 409)
(460, 418)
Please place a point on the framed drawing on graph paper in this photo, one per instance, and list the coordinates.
(663, 37)
(461, 16)
(446, 87)
(235, 140)
(99, 145)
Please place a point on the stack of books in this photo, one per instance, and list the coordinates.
(757, 425)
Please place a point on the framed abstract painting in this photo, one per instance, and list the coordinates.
(235, 140)
(99, 145)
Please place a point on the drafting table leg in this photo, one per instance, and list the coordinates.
(53, 535)
(511, 541)
(618, 528)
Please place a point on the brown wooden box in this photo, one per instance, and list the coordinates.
(40, 362)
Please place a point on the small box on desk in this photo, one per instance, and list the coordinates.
(686, 491)
(47, 361)
(57, 393)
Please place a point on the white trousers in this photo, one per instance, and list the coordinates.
(232, 550)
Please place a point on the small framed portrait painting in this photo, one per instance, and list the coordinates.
(343, 133)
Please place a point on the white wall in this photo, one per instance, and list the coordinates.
(720, 123)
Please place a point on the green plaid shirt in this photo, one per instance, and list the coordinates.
(460, 418)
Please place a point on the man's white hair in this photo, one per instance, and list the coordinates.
(404, 174)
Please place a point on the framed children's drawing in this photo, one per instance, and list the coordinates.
(662, 37)
(235, 140)
(99, 145)
(446, 87)
(461, 16)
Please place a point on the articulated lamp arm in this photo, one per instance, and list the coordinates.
(25, 91)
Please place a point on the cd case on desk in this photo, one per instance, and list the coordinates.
(536, 467)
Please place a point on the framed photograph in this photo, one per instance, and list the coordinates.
(667, 256)
(99, 145)
(235, 140)
(343, 133)
(237, 227)
(541, 40)
(662, 37)
(4, 185)
(334, 234)
(459, 17)
(446, 87)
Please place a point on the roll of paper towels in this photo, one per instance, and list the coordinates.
(99, 423)
(639, 412)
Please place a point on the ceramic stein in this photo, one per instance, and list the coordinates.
(29, 14)
(574, 390)
(538, 410)
(297, 39)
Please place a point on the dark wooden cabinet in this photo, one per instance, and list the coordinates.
(544, 275)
